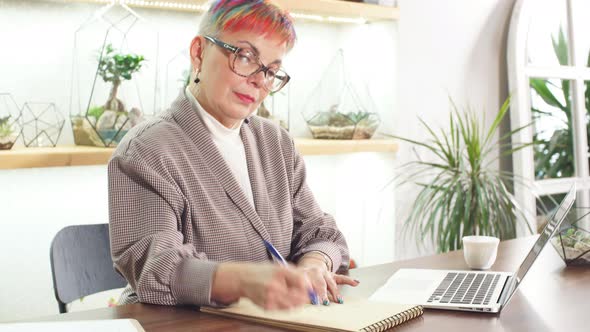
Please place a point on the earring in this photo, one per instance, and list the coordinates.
(197, 80)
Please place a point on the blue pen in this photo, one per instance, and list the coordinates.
(275, 253)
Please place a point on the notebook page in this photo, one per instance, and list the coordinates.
(353, 315)
(111, 325)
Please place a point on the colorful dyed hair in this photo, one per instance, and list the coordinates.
(260, 16)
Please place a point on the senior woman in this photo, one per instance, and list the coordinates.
(194, 194)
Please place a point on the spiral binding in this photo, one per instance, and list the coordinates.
(395, 320)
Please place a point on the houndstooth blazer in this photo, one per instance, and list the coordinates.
(176, 209)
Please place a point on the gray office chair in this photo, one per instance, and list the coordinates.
(81, 263)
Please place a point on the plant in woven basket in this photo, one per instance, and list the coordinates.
(462, 192)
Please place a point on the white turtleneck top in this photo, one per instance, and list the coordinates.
(229, 143)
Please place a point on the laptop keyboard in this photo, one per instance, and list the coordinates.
(465, 288)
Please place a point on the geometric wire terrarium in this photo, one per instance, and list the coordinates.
(177, 76)
(42, 124)
(572, 241)
(114, 75)
(335, 109)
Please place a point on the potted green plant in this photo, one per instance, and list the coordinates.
(112, 119)
(461, 191)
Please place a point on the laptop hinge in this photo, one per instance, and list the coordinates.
(507, 290)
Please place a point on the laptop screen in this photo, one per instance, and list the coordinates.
(547, 233)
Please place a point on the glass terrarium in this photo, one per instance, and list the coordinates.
(177, 76)
(572, 242)
(10, 127)
(338, 110)
(42, 124)
(276, 107)
(114, 76)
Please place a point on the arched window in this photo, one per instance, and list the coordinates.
(549, 74)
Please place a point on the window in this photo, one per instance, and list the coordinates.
(549, 74)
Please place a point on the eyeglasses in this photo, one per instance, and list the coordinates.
(246, 63)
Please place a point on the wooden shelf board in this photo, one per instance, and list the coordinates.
(339, 8)
(324, 8)
(71, 155)
(310, 146)
(59, 156)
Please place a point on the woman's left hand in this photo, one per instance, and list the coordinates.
(325, 283)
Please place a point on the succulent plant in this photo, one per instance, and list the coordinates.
(5, 127)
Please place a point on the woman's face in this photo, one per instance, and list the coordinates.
(225, 95)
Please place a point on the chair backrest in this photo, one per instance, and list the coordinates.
(81, 263)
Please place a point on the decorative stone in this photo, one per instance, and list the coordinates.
(135, 116)
(106, 121)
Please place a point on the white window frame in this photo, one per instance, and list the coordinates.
(519, 74)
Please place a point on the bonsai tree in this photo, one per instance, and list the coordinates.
(115, 68)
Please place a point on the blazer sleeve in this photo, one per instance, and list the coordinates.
(313, 230)
(147, 214)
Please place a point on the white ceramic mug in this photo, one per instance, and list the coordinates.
(480, 251)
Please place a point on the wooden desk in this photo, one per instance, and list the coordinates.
(552, 297)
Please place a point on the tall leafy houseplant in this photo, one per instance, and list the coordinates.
(462, 193)
(115, 68)
(554, 156)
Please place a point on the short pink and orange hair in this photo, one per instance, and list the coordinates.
(260, 16)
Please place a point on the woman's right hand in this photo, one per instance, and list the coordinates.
(270, 286)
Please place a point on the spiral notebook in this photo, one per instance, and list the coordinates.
(353, 315)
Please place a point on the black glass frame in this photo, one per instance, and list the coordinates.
(262, 68)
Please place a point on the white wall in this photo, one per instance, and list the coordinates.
(35, 65)
(35, 204)
(447, 48)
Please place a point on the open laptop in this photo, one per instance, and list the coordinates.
(468, 290)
